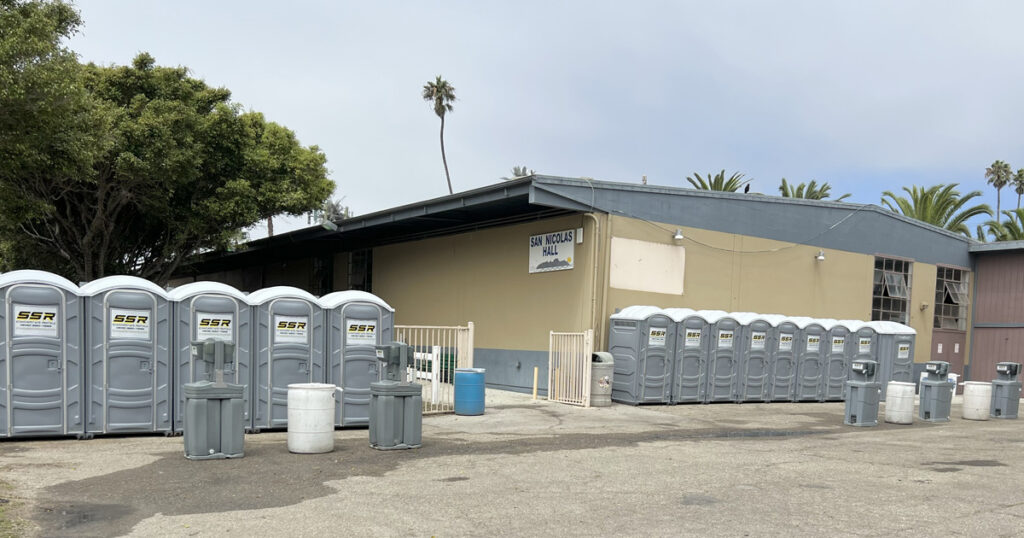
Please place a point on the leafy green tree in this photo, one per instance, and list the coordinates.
(132, 169)
(718, 182)
(1011, 229)
(1018, 184)
(940, 205)
(998, 175)
(808, 191)
(518, 172)
(441, 95)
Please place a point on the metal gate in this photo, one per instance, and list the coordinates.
(437, 352)
(569, 357)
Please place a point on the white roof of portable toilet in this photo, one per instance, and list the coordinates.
(890, 327)
(36, 277)
(827, 323)
(332, 300)
(277, 292)
(637, 312)
(712, 316)
(853, 324)
(121, 281)
(196, 288)
(679, 314)
(746, 318)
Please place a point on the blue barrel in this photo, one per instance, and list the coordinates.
(469, 391)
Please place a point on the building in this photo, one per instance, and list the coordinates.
(538, 254)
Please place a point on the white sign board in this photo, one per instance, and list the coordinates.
(692, 337)
(785, 342)
(215, 326)
(32, 320)
(838, 342)
(552, 252)
(130, 324)
(757, 339)
(724, 339)
(360, 332)
(657, 337)
(864, 345)
(813, 343)
(903, 352)
(291, 329)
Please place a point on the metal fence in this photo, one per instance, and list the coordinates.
(569, 356)
(437, 352)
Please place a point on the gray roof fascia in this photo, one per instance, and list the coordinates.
(996, 246)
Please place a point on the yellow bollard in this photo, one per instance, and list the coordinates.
(534, 382)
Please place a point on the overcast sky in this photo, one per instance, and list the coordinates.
(868, 96)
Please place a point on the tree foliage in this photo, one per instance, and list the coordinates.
(130, 169)
(1011, 229)
(718, 182)
(1018, 184)
(441, 94)
(518, 172)
(998, 175)
(940, 205)
(808, 191)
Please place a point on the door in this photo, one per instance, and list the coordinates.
(624, 343)
(359, 329)
(291, 354)
(690, 370)
(128, 323)
(756, 342)
(34, 326)
(783, 365)
(836, 364)
(948, 345)
(809, 366)
(722, 362)
(657, 360)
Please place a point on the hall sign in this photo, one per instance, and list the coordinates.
(552, 252)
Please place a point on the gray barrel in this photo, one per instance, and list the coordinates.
(601, 375)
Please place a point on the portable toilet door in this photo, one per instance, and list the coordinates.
(810, 362)
(784, 362)
(627, 342)
(723, 360)
(356, 323)
(690, 367)
(289, 346)
(128, 339)
(210, 311)
(755, 355)
(41, 370)
(864, 343)
(895, 351)
(837, 362)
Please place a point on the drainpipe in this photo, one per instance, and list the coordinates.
(593, 283)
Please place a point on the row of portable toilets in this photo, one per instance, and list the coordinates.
(112, 356)
(678, 355)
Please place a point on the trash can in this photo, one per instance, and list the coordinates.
(469, 391)
(311, 417)
(899, 403)
(936, 392)
(977, 400)
(1006, 390)
(601, 375)
(862, 392)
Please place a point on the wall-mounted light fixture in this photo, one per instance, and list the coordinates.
(679, 235)
(821, 256)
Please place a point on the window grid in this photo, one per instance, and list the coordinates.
(951, 298)
(890, 296)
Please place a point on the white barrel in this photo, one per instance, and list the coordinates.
(311, 417)
(899, 402)
(977, 400)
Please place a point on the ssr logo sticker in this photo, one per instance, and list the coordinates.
(291, 329)
(36, 316)
(35, 320)
(214, 326)
(130, 324)
(657, 337)
(360, 332)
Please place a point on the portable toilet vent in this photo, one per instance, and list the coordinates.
(723, 359)
(895, 352)
(289, 347)
(810, 358)
(690, 365)
(357, 322)
(203, 312)
(642, 343)
(784, 362)
(128, 356)
(41, 370)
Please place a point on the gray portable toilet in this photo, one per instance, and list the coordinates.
(690, 366)
(723, 358)
(642, 342)
(128, 356)
(895, 352)
(810, 358)
(836, 364)
(754, 354)
(288, 342)
(41, 369)
(784, 361)
(210, 311)
(863, 344)
(356, 322)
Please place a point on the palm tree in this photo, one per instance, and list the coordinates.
(1011, 229)
(1018, 184)
(809, 191)
(998, 175)
(718, 182)
(940, 206)
(518, 172)
(442, 95)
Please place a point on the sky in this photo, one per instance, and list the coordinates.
(868, 96)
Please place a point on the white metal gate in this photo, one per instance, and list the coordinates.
(569, 356)
(437, 352)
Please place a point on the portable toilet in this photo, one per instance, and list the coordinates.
(754, 354)
(784, 361)
(810, 358)
(356, 323)
(690, 366)
(41, 369)
(723, 360)
(289, 347)
(210, 311)
(642, 342)
(863, 342)
(895, 350)
(836, 361)
(128, 356)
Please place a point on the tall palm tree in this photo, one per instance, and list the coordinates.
(809, 191)
(718, 182)
(940, 206)
(442, 95)
(518, 172)
(1018, 184)
(998, 175)
(1011, 229)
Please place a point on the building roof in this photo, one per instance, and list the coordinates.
(997, 246)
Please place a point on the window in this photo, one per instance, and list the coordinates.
(890, 295)
(951, 298)
(360, 270)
